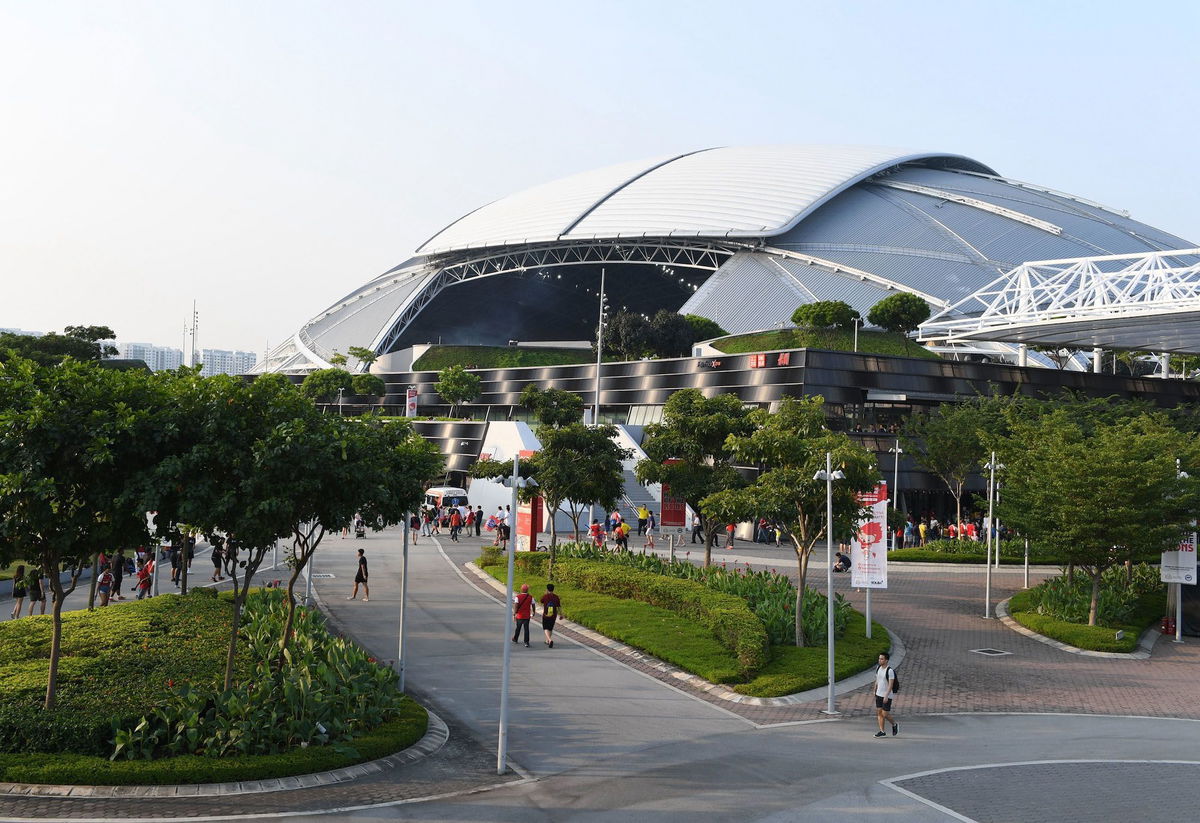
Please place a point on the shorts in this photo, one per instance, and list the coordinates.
(883, 703)
(548, 623)
(358, 578)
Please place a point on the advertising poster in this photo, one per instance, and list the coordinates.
(1179, 566)
(868, 549)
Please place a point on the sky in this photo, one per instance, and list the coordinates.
(264, 158)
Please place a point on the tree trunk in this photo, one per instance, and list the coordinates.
(308, 545)
(802, 570)
(183, 567)
(239, 600)
(55, 640)
(1095, 597)
(92, 585)
(958, 529)
(708, 541)
(291, 612)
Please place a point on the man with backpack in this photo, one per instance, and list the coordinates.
(886, 685)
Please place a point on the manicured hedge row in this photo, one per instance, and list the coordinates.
(727, 617)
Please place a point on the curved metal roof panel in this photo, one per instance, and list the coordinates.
(738, 191)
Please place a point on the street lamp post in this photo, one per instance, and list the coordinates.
(895, 451)
(987, 590)
(596, 389)
(1182, 475)
(829, 475)
(516, 482)
(402, 652)
(857, 322)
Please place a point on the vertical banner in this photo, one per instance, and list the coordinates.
(529, 523)
(1179, 566)
(868, 561)
(673, 517)
(410, 402)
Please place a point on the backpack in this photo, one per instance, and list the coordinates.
(895, 681)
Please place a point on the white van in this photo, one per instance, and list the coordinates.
(445, 496)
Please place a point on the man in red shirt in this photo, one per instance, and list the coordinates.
(456, 523)
(523, 609)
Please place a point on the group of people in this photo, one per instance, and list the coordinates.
(524, 608)
(457, 519)
(926, 529)
(617, 528)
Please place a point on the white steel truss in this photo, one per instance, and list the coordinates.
(1149, 301)
(692, 253)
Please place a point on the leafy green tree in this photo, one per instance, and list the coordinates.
(337, 359)
(553, 407)
(629, 335)
(824, 314)
(1100, 497)
(672, 334)
(368, 385)
(901, 313)
(74, 438)
(324, 385)
(79, 342)
(457, 385)
(689, 451)
(792, 444)
(363, 355)
(704, 328)
(950, 443)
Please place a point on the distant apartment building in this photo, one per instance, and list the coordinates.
(219, 361)
(158, 358)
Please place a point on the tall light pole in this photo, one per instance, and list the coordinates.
(987, 590)
(1182, 475)
(516, 482)
(829, 475)
(596, 391)
(857, 322)
(895, 451)
(402, 652)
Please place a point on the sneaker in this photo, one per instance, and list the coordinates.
(880, 734)
(527, 645)
(895, 729)
(349, 598)
(551, 644)
(368, 600)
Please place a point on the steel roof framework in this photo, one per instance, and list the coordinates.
(1147, 301)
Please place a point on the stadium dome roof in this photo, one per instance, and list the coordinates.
(741, 235)
(737, 191)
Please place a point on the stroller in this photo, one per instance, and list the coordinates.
(360, 528)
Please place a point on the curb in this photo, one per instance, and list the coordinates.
(435, 737)
(1145, 642)
(676, 674)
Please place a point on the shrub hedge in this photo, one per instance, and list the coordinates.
(726, 616)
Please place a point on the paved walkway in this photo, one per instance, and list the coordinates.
(602, 739)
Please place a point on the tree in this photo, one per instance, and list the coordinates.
(791, 444)
(901, 313)
(949, 442)
(457, 385)
(1101, 497)
(824, 314)
(704, 328)
(367, 385)
(672, 334)
(324, 385)
(629, 335)
(337, 359)
(689, 451)
(553, 407)
(363, 355)
(74, 438)
(79, 342)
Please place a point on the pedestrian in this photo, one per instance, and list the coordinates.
(143, 578)
(696, 535)
(103, 585)
(885, 683)
(19, 592)
(523, 609)
(426, 523)
(651, 521)
(217, 556)
(643, 515)
(596, 533)
(478, 521)
(622, 536)
(360, 577)
(414, 526)
(729, 536)
(174, 554)
(551, 608)
(456, 524)
(118, 573)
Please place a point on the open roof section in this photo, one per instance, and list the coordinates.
(738, 191)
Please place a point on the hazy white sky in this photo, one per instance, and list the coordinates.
(265, 158)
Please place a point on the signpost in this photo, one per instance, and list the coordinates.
(1179, 567)
(868, 564)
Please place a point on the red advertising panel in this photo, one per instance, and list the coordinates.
(529, 523)
(674, 510)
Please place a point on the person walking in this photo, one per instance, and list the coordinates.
(144, 578)
(523, 609)
(19, 592)
(217, 557)
(414, 526)
(696, 535)
(729, 536)
(103, 586)
(360, 578)
(643, 514)
(118, 573)
(479, 521)
(551, 608)
(885, 684)
(456, 524)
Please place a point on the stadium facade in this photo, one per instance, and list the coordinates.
(741, 235)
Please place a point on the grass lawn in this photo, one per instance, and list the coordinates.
(873, 342)
(1094, 638)
(499, 357)
(691, 647)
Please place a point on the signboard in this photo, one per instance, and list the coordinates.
(673, 517)
(410, 402)
(1179, 566)
(529, 523)
(868, 549)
